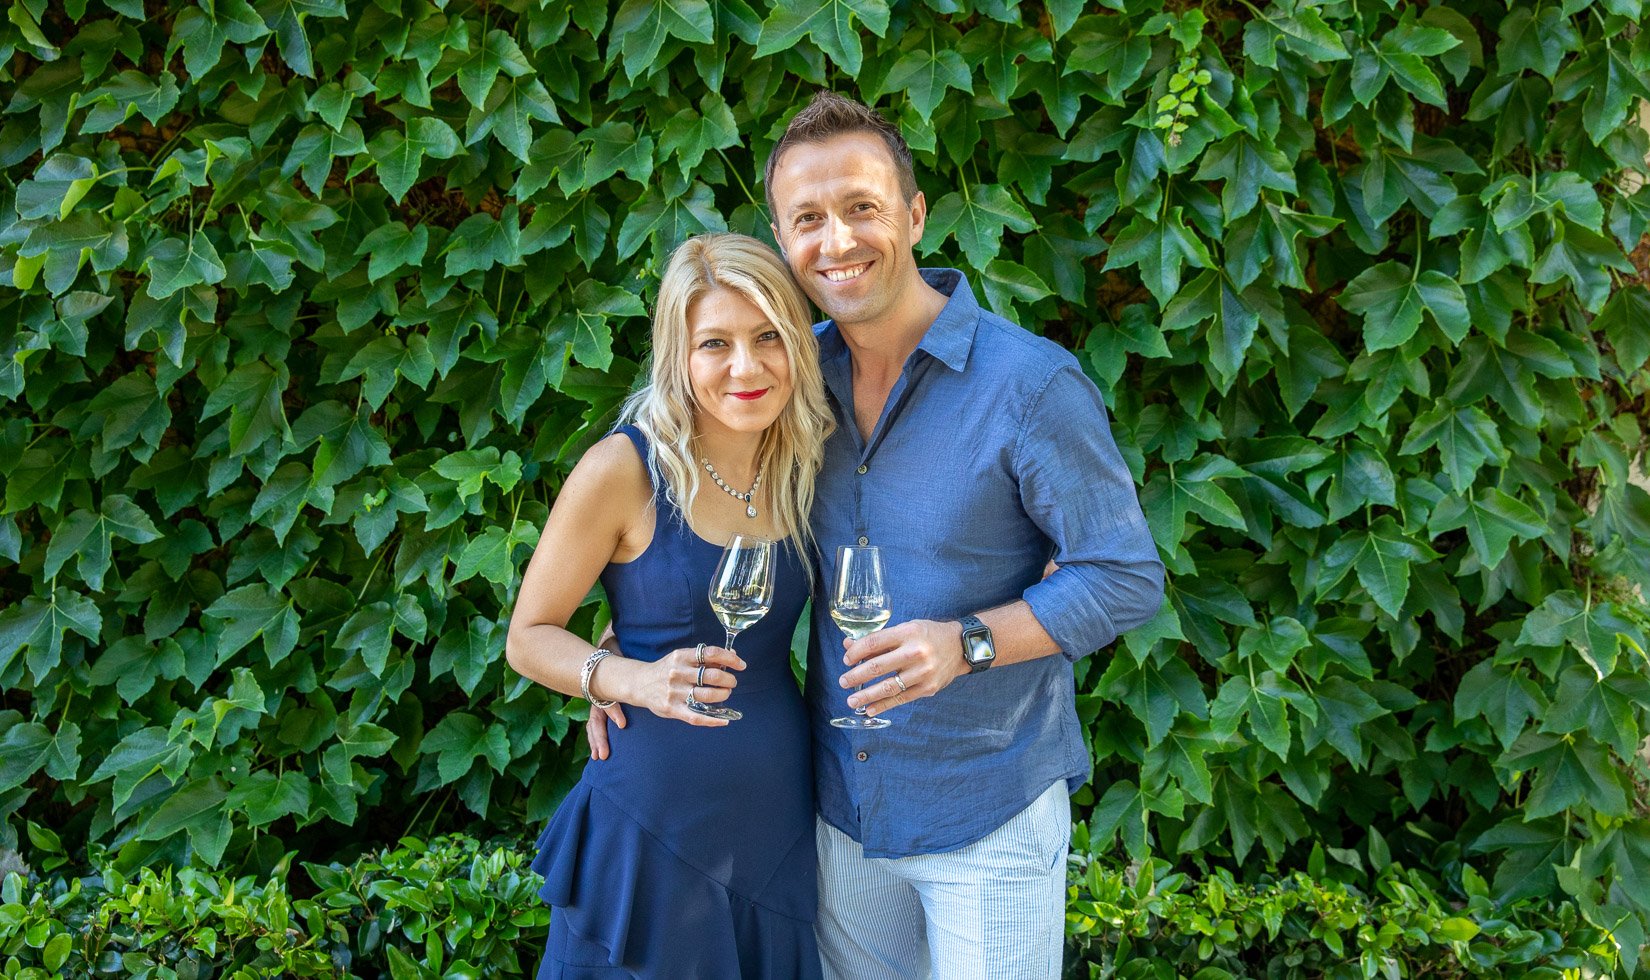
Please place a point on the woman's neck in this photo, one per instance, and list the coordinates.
(732, 453)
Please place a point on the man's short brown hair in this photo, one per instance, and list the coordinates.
(828, 115)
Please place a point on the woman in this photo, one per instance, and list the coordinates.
(691, 852)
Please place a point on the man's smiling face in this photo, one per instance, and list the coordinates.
(846, 229)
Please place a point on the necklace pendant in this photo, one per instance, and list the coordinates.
(750, 510)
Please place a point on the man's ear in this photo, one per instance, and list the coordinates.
(779, 242)
(919, 216)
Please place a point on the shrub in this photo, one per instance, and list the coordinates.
(453, 907)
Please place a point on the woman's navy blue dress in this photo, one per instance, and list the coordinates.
(689, 852)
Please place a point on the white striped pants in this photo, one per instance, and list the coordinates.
(993, 910)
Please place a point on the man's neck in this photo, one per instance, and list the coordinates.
(880, 347)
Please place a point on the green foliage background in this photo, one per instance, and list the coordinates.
(311, 304)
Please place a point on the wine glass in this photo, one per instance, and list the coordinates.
(859, 607)
(740, 593)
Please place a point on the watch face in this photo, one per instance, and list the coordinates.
(977, 649)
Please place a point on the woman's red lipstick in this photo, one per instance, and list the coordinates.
(751, 396)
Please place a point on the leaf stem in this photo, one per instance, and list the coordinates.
(742, 185)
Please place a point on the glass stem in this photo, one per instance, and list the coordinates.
(861, 709)
(731, 635)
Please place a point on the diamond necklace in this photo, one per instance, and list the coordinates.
(745, 498)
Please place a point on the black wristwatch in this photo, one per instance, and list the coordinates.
(977, 651)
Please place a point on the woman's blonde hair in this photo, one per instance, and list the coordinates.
(793, 447)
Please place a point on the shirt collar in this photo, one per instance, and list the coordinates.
(949, 338)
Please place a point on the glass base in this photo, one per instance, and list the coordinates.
(860, 722)
(713, 710)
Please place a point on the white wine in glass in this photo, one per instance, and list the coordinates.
(859, 607)
(741, 592)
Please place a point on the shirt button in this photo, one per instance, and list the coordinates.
(862, 756)
(862, 469)
(864, 540)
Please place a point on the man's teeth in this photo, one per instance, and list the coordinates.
(843, 275)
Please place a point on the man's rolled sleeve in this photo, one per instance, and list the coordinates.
(1076, 488)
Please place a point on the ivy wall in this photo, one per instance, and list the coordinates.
(309, 306)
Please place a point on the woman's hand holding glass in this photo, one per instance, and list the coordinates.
(667, 685)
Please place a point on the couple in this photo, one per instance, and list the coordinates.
(971, 453)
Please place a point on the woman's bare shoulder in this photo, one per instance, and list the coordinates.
(611, 469)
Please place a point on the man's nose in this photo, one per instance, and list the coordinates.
(839, 237)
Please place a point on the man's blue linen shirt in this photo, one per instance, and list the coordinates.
(992, 456)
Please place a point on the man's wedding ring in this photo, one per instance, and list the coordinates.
(899, 682)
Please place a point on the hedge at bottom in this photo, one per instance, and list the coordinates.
(452, 907)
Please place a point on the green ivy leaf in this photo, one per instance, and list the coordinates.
(37, 625)
(286, 20)
(688, 136)
(1569, 771)
(1535, 39)
(254, 611)
(1583, 257)
(399, 155)
(1594, 631)
(924, 74)
(1466, 438)
(1492, 519)
(460, 739)
(1160, 249)
(1156, 691)
(830, 24)
(1391, 301)
(1303, 32)
(1625, 322)
(391, 247)
(176, 264)
(1344, 711)
(1264, 702)
(669, 222)
(266, 797)
(1502, 696)
(27, 748)
(640, 28)
(1246, 165)
(89, 537)
(977, 215)
(1607, 708)
(202, 34)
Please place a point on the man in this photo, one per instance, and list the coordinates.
(971, 452)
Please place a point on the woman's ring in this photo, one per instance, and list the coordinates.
(699, 656)
(700, 680)
(899, 682)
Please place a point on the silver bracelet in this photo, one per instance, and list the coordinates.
(596, 656)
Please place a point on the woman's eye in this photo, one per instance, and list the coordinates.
(769, 335)
(712, 344)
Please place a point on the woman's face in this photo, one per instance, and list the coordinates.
(737, 364)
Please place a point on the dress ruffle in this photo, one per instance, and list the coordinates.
(634, 904)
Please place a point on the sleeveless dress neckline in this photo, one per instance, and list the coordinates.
(690, 851)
